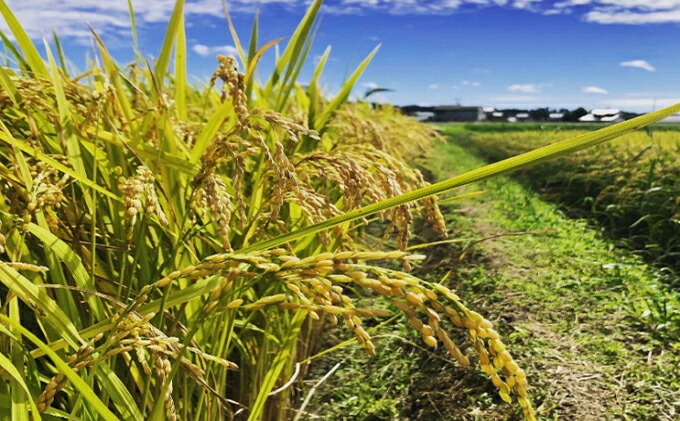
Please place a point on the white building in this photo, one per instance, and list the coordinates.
(604, 115)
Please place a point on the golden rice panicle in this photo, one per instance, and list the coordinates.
(494, 358)
(47, 193)
(84, 357)
(354, 323)
(139, 196)
(292, 128)
(233, 86)
(163, 368)
(214, 197)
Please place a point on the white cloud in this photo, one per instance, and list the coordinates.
(527, 88)
(633, 18)
(471, 83)
(525, 4)
(206, 51)
(640, 64)
(401, 7)
(594, 90)
(69, 18)
(433, 86)
(629, 12)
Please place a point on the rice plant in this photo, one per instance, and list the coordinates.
(169, 251)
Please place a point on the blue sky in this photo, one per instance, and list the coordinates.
(503, 53)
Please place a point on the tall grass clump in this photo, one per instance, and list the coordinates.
(171, 251)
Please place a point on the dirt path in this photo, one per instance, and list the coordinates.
(576, 388)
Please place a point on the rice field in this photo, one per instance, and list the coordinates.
(175, 251)
(629, 185)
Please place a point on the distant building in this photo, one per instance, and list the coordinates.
(493, 114)
(458, 113)
(423, 115)
(605, 115)
(555, 116)
(522, 116)
(488, 112)
(418, 112)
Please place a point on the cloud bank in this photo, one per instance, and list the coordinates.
(69, 18)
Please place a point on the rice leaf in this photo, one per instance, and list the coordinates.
(38, 299)
(176, 20)
(72, 262)
(21, 62)
(226, 110)
(234, 34)
(19, 396)
(181, 71)
(63, 367)
(8, 86)
(291, 55)
(343, 94)
(60, 54)
(24, 42)
(133, 25)
(6, 136)
(252, 63)
(277, 366)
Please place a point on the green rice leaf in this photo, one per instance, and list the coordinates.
(18, 380)
(181, 71)
(291, 55)
(8, 86)
(38, 299)
(6, 136)
(31, 54)
(23, 65)
(225, 110)
(234, 34)
(60, 54)
(344, 93)
(63, 367)
(176, 21)
(72, 262)
(133, 25)
(282, 358)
